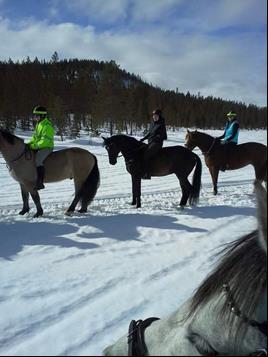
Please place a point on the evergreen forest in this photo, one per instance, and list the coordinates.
(92, 95)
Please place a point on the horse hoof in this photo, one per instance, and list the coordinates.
(22, 212)
(82, 210)
(68, 213)
(38, 214)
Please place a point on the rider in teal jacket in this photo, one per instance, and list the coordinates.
(231, 131)
(230, 136)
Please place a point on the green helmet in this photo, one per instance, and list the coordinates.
(39, 110)
(231, 114)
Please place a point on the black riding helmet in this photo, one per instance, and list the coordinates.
(40, 111)
(157, 112)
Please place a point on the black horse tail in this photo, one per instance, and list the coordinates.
(90, 186)
(196, 183)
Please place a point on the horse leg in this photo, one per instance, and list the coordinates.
(260, 172)
(186, 188)
(134, 198)
(77, 185)
(137, 190)
(214, 172)
(36, 198)
(25, 199)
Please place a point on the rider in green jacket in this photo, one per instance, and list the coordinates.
(42, 141)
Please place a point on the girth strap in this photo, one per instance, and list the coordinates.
(136, 343)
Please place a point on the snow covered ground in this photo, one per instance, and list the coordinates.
(71, 285)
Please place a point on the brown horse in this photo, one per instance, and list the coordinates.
(170, 160)
(73, 163)
(235, 157)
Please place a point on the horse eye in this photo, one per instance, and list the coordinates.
(202, 346)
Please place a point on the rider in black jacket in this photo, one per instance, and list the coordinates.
(156, 135)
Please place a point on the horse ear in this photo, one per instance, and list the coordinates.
(104, 139)
(195, 131)
(188, 131)
(261, 196)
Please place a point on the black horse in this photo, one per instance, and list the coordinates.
(176, 160)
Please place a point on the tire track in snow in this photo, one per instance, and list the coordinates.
(34, 328)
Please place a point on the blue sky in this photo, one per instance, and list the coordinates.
(211, 47)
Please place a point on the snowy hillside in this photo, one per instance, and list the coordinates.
(71, 285)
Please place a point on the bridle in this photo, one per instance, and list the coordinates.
(210, 148)
(137, 346)
(260, 326)
(109, 146)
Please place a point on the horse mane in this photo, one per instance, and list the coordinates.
(10, 138)
(243, 268)
(206, 135)
(122, 138)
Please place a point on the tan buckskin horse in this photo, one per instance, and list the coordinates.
(72, 163)
(238, 156)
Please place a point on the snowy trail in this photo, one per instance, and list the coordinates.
(71, 285)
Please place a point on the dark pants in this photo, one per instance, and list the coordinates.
(227, 149)
(152, 151)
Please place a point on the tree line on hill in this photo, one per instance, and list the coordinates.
(90, 94)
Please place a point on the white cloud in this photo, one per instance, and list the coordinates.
(148, 10)
(109, 10)
(231, 68)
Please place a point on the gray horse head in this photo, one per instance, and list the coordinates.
(227, 315)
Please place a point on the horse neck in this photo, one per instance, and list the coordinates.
(11, 152)
(204, 142)
(126, 147)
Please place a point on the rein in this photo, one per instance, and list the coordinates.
(27, 153)
(136, 343)
(210, 148)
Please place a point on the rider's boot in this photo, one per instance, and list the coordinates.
(40, 178)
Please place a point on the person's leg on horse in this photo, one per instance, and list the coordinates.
(227, 148)
(152, 150)
(40, 157)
